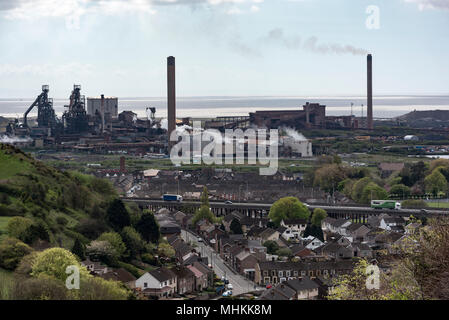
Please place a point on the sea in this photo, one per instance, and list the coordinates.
(209, 107)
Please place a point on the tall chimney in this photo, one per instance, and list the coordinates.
(171, 92)
(370, 124)
(102, 112)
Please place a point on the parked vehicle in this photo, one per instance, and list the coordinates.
(172, 197)
(386, 204)
(200, 240)
(227, 293)
(230, 286)
(228, 202)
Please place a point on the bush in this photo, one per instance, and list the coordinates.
(61, 220)
(11, 252)
(19, 227)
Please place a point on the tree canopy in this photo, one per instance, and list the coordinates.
(288, 208)
(318, 216)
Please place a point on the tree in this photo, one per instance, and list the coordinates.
(435, 182)
(53, 262)
(284, 252)
(203, 212)
(329, 176)
(78, 249)
(19, 227)
(116, 241)
(358, 187)
(133, 241)
(166, 250)
(288, 208)
(117, 215)
(318, 216)
(205, 197)
(101, 250)
(11, 252)
(353, 286)
(271, 246)
(314, 231)
(236, 227)
(148, 227)
(400, 190)
(373, 192)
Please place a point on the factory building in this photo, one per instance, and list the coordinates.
(110, 106)
(295, 148)
(312, 115)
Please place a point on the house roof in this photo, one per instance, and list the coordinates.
(197, 272)
(390, 219)
(281, 229)
(354, 226)
(296, 221)
(272, 294)
(285, 290)
(202, 267)
(306, 265)
(388, 237)
(182, 272)
(267, 233)
(162, 274)
(302, 284)
(119, 275)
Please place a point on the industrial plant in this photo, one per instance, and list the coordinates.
(95, 124)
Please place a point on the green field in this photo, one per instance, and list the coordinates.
(10, 166)
(438, 205)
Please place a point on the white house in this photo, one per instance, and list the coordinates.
(160, 283)
(312, 243)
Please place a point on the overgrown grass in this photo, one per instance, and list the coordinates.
(10, 165)
(3, 224)
(6, 283)
(438, 204)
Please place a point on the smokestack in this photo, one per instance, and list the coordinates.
(171, 92)
(102, 112)
(370, 124)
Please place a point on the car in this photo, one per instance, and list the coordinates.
(200, 240)
(228, 202)
(269, 286)
(230, 286)
(423, 211)
(226, 281)
(307, 205)
(227, 293)
(223, 278)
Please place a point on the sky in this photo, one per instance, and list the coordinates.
(223, 47)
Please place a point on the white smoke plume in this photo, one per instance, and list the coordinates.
(310, 44)
(13, 139)
(292, 133)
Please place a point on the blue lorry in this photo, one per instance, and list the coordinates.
(172, 197)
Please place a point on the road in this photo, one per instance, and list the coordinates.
(239, 283)
(267, 206)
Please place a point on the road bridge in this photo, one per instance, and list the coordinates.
(257, 210)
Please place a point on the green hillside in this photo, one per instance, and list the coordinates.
(56, 201)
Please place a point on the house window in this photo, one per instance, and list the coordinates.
(318, 272)
(145, 285)
(325, 272)
(273, 273)
(332, 271)
(281, 274)
(266, 280)
(265, 273)
(295, 273)
(287, 273)
(310, 273)
(275, 280)
(303, 273)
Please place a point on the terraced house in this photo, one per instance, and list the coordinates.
(273, 272)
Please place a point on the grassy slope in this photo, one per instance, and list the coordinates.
(6, 281)
(3, 223)
(19, 171)
(12, 164)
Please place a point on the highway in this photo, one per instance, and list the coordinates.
(239, 283)
(267, 206)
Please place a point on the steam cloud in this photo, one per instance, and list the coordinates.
(311, 44)
(13, 139)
